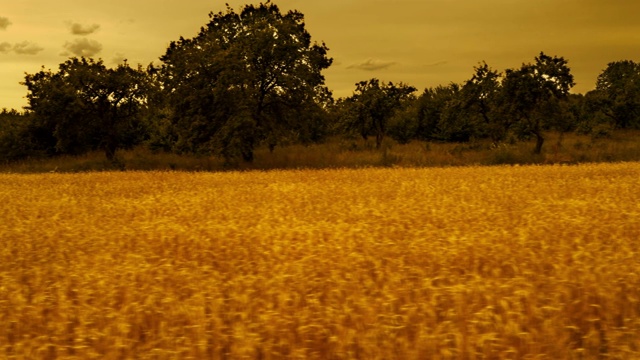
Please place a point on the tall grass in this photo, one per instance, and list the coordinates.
(340, 153)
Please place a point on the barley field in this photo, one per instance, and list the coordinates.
(524, 262)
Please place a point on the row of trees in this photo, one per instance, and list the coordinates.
(522, 103)
(254, 77)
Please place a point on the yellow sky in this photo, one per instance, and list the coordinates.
(423, 43)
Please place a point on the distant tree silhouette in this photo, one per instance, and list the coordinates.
(617, 94)
(480, 98)
(15, 136)
(435, 112)
(531, 94)
(86, 106)
(373, 105)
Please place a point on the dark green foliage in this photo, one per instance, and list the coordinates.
(17, 137)
(480, 98)
(371, 108)
(617, 94)
(445, 113)
(317, 124)
(439, 114)
(531, 96)
(246, 79)
(592, 120)
(86, 106)
(573, 113)
(403, 126)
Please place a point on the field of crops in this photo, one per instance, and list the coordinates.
(529, 262)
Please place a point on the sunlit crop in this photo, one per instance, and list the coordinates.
(538, 262)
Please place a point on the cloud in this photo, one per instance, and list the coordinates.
(372, 65)
(5, 47)
(82, 47)
(437, 63)
(79, 29)
(27, 48)
(4, 23)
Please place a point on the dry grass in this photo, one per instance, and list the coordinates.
(341, 153)
(528, 262)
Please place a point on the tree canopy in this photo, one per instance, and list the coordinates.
(480, 96)
(245, 79)
(618, 93)
(86, 106)
(372, 106)
(531, 92)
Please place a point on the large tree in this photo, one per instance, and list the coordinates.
(86, 106)
(617, 94)
(243, 81)
(532, 93)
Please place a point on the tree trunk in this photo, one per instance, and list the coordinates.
(539, 142)
(379, 138)
(247, 155)
(247, 146)
(110, 152)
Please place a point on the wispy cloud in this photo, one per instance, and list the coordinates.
(23, 48)
(27, 48)
(372, 65)
(437, 63)
(5, 47)
(82, 47)
(80, 29)
(4, 23)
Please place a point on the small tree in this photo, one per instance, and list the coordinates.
(618, 94)
(373, 105)
(87, 106)
(403, 126)
(593, 119)
(532, 93)
(16, 140)
(480, 98)
(434, 115)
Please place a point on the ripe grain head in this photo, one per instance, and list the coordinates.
(477, 262)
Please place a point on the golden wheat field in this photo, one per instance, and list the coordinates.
(529, 262)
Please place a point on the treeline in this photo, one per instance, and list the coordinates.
(254, 78)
